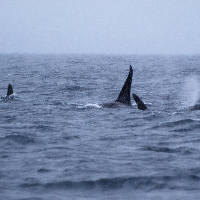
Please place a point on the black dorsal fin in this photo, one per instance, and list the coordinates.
(124, 96)
(139, 102)
(10, 90)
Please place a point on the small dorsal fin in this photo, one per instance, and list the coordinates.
(124, 96)
(139, 102)
(10, 90)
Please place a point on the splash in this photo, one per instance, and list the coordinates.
(191, 91)
(89, 105)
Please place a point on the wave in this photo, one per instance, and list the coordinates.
(31, 198)
(183, 125)
(58, 103)
(181, 182)
(74, 88)
(181, 150)
(178, 122)
(20, 139)
(71, 137)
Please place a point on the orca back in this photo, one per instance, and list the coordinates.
(10, 90)
(124, 96)
(195, 107)
(139, 102)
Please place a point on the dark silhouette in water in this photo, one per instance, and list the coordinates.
(139, 102)
(195, 107)
(9, 93)
(10, 90)
(124, 96)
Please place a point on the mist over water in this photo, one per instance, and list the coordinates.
(191, 91)
(56, 142)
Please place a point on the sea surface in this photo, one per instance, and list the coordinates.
(58, 143)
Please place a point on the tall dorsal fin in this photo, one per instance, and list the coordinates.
(10, 90)
(124, 96)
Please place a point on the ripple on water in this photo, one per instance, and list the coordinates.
(19, 139)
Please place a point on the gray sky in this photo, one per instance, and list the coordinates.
(100, 26)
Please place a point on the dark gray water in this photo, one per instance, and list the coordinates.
(56, 142)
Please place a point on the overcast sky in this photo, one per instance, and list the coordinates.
(100, 26)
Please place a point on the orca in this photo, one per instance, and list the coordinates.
(195, 107)
(124, 96)
(10, 94)
(139, 102)
(10, 90)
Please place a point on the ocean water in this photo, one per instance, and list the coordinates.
(57, 143)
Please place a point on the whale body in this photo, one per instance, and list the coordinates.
(195, 107)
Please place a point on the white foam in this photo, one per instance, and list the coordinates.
(90, 105)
